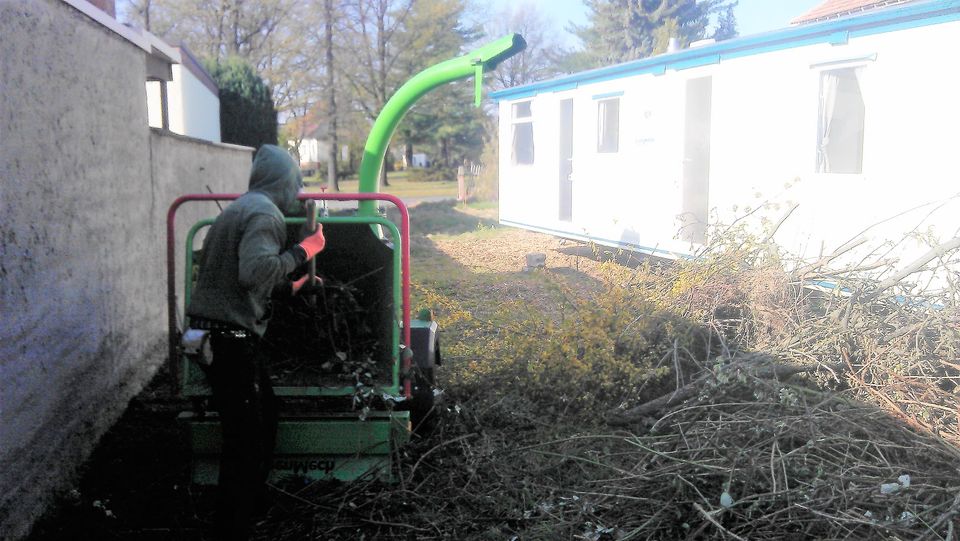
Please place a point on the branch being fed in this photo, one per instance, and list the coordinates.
(935, 252)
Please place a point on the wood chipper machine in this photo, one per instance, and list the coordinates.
(352, 369)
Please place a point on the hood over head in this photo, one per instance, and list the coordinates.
(275, 174)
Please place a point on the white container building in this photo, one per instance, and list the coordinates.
(853, 120)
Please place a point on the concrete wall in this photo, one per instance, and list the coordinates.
(84, 188)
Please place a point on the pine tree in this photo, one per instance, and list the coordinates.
(726, 24)
(624, 30)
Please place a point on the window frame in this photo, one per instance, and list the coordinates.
(515, 122)
(856, 67)
(602, 125)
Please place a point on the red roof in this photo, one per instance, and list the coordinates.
(313, 125)
(832, 9)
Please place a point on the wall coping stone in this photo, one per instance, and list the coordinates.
(187, 139)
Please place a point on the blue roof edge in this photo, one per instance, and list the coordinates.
(836, 32)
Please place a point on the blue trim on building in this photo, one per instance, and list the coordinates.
(839, 38)
(606, 95)
(694, 62)
(600, 240)
(829, 285)
(842, 61)
(521, 95)
(568, 86)
(836, 32)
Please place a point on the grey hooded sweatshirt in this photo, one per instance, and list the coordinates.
(243, 259)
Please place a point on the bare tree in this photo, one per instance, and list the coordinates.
(539, 60)
(371, 54)
(294, 131)
(331, 94)
(270, 34)
(136, 12)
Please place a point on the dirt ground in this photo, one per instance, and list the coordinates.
(135, 485)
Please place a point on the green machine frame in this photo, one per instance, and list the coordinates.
(322, 444)
(337, 445)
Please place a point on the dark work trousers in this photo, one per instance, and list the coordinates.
(243, 397)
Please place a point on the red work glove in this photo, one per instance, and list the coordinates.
(314, 244)
(298, 284)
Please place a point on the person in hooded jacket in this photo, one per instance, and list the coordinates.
(242, 265)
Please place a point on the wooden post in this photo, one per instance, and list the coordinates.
(461, 185)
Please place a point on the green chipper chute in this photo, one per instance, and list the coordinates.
(486, 58)
(352, 368)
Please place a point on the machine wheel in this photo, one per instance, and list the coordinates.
(422, 415)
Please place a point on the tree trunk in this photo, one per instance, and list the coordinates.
(237, 7)
(217, 53)
(407, 149)
(332, 179)
(382, 82)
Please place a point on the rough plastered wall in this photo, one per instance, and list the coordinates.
(182, 165)
(84, 188)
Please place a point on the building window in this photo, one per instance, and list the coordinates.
(522, 114)
(608, 125)
(158, 115)
(840, 132)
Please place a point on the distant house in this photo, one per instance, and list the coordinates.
(851, 114)
(403, 161)
(313, 146)
(834, 9)
(419, 160)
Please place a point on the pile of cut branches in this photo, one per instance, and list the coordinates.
(745, 460)
(721, 398)
(879, 337)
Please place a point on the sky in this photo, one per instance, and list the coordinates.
(753, 16)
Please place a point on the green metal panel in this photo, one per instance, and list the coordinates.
(335, 446)
(335, 434)
(328, 391)
(206, 469)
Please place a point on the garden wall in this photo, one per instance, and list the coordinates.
(84, 189)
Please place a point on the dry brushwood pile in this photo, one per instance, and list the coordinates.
(711, 399)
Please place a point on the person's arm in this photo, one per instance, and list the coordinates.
(261, 262)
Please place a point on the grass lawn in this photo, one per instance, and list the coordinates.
(399, 186)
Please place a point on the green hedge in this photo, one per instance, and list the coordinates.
(247, 115)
